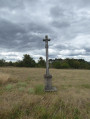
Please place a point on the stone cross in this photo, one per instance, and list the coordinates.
(47, 62)
(47, 76)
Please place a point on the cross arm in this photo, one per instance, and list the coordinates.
(46, 39)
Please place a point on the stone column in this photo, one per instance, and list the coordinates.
(47, 76)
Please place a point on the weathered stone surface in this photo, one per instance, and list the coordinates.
(52, 89)
(47, 76)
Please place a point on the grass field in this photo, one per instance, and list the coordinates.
(22, 95)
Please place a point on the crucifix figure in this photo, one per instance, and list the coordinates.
(47, 76)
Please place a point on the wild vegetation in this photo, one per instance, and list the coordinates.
(22, 94)
(28, 61)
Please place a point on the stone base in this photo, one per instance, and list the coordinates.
(52, 89)
(48, 83)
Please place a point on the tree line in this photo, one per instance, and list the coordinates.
(67, 63)
(27, 61)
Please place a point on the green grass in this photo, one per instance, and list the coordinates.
(9, 87)
(21, 89)
(26, 99)
(63, 87)
(21, 84)
(31, 91)
(86, 86)
(29, 79)
(16, 113)
(59, 110)
(39, 89)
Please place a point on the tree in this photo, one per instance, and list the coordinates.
(65, 65)
(10, 63)
(56, 64)
(2, 62)
(41, 62)
(28, 61)
(18, 63)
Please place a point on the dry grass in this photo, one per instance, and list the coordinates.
(25, 98)
(4, 78)
(7, 77)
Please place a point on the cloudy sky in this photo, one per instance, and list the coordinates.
(24, 24)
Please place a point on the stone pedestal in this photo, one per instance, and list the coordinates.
(48, 83)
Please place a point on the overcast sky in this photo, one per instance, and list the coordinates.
(24, 24)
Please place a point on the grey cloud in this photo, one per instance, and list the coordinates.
(20, 4)
(60, 25)
(57, 11)
(23, 30)
(87, 49)
(11, 55)
(8, 33)
(15, 37)
(60, 46)
(74, 3)
(11, 4)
